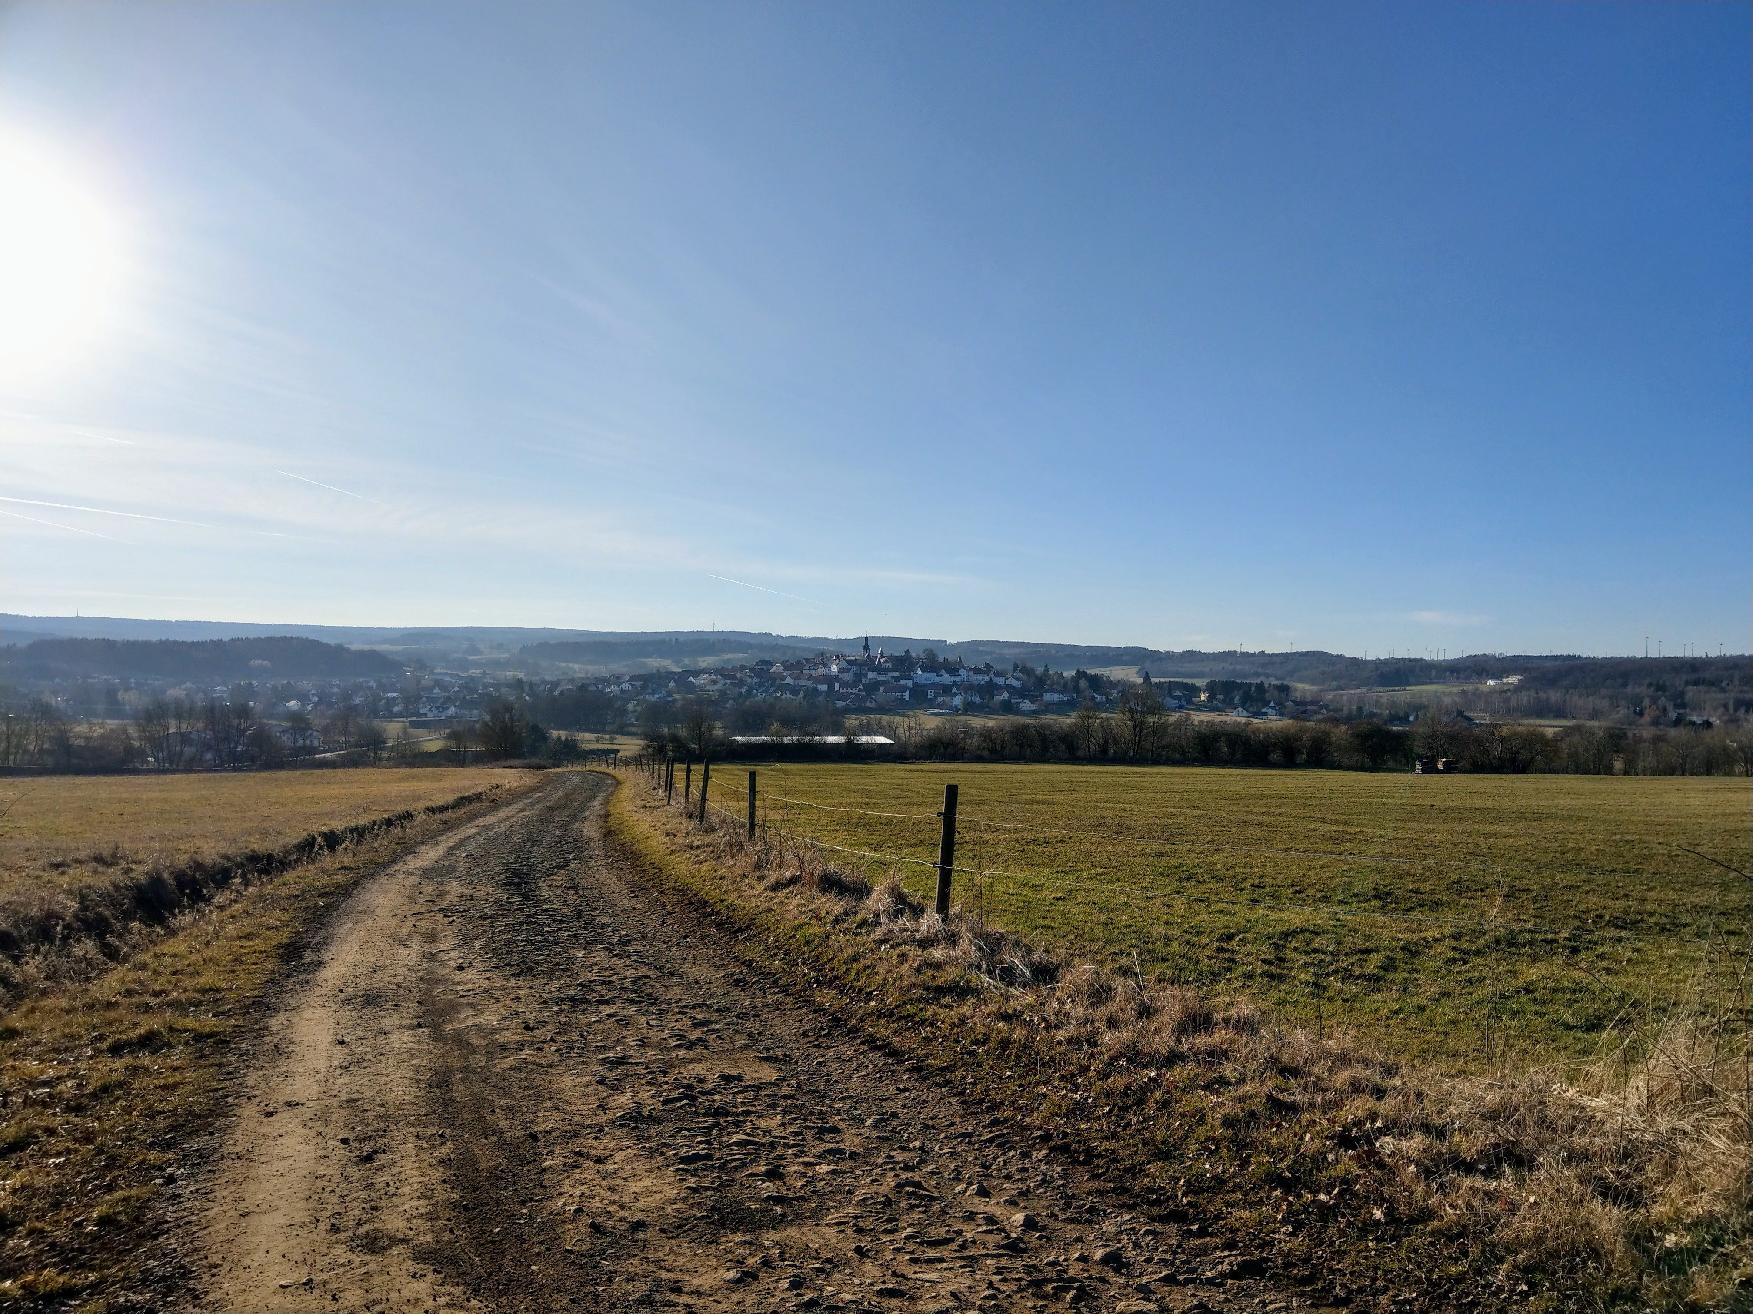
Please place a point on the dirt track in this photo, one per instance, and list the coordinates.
(519, 1080)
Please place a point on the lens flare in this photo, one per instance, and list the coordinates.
(61, 262)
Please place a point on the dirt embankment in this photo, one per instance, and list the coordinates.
(520, 1079)
(54, 931)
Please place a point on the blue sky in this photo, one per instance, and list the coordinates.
(1343, 326)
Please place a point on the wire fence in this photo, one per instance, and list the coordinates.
(980, 885)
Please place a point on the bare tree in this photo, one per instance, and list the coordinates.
(341, 726)
(263, 746)
(1086, 729)
(167, 730)
(301, 731)
(1141, 713)
(458, 739)
(25, 731)
(56, 740)
(373, 739)
(185, 726)
(153, 725)
(227, 727)
(113, 748)
(698, 728)
(502, 728)
(403, 747)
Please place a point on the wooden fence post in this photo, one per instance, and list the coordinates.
(687, 781)
(669, 779)
(705, 776)
(946, 850)
(751, 805)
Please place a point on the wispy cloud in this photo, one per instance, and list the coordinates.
(105, 511)
(1437, 616)
(56, 524)
(459, 511)
(317, 483)
(141, 515)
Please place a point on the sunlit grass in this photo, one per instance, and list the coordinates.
(108, 1082)
(1468, 919)
(66, 831)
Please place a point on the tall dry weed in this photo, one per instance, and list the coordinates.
(1624, 1183)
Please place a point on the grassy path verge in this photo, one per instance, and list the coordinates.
(1465, 921)
(109, 1087)
(1388, 1186)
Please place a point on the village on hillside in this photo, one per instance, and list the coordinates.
(107, 705)
(874, 681)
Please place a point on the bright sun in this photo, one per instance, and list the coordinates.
(61, 262)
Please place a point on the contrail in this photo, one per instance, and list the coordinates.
(141, 515)
(101, 511)
(317, 483)
(26, 418)
(56, 524)
(762, 588)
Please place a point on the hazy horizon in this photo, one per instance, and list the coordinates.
(1657, 645)
(1205, 326)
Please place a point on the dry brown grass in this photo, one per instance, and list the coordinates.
(69, 918)
(1627, 1187)
(1448, 919)
(109, 1085)
(66, 831)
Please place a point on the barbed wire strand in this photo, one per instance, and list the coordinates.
(1489, 920)
(863, 812)
(1329, 909)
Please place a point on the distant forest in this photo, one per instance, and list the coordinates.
(632, 653)
(213, 660)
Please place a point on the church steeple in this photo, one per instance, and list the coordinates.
(867, 645)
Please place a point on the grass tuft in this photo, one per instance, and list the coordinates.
(1386, 1183)
(110, 1081)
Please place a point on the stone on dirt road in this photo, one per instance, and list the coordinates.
(575, 1096)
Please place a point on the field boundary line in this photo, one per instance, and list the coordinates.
(1487, 919)
(863, 812)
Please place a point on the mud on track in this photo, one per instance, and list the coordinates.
(518, 1079)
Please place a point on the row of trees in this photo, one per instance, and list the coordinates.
(1140, 731)
(174, 733)
(662, 723)
(508, 728)
(690, 730)
(171, 734)
(35, 733)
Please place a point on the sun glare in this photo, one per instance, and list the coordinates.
(60, 262)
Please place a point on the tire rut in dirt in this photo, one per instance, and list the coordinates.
(657, 1127)
(505, 1248)
(596, 1106)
